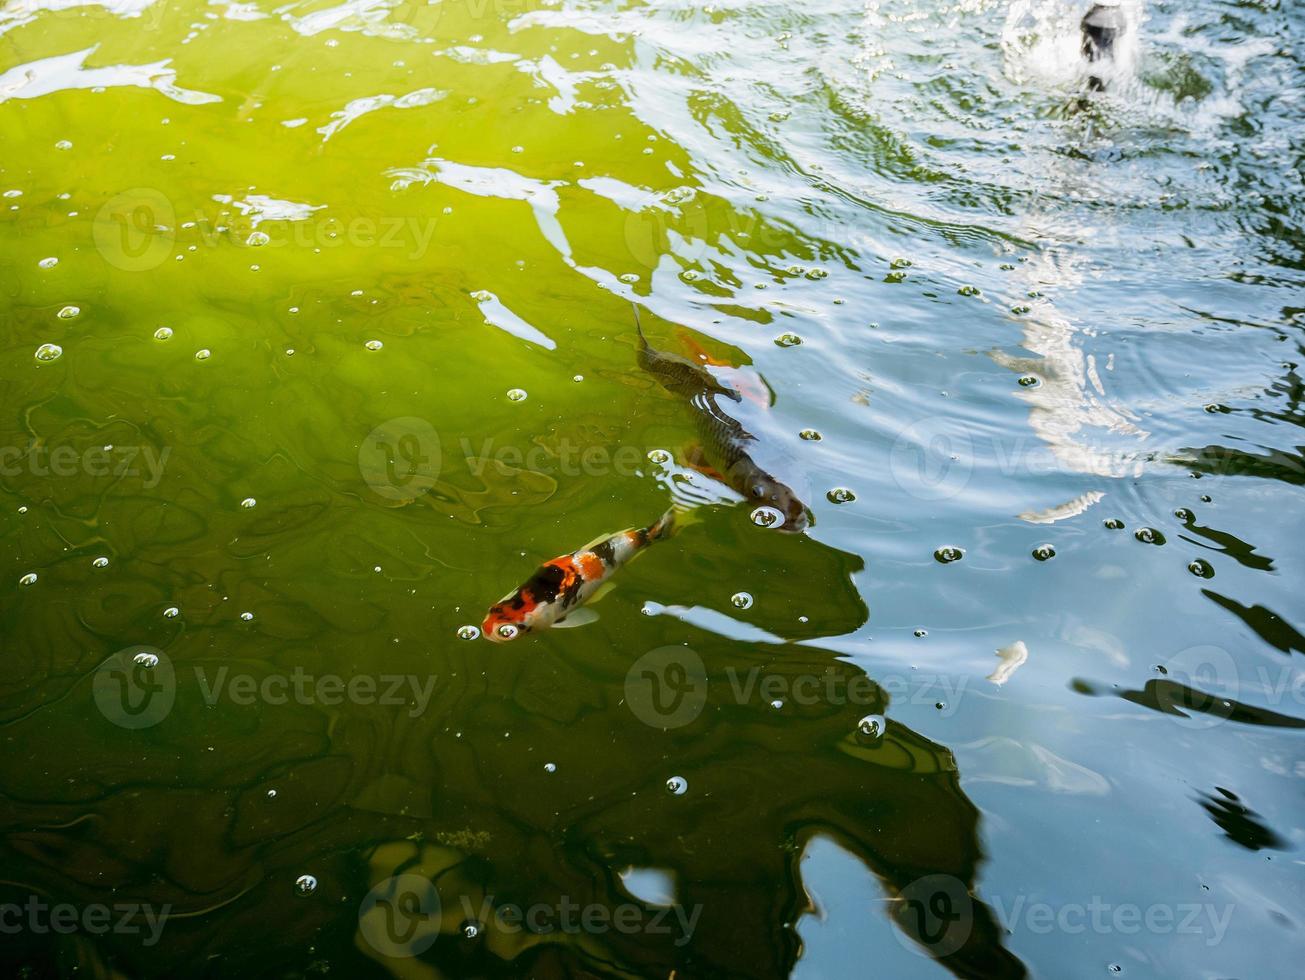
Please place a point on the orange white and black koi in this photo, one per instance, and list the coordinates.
(563, 585)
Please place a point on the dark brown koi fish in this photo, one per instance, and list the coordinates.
(728, 451)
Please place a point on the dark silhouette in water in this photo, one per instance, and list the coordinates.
(728, 449)
(1101, 26)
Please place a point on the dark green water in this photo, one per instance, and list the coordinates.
(1020, 319)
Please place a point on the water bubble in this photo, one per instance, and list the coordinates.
(1184, 515)
(968, 290)
(247, 616)
(817, 274)
(63, 145)
(146, 659)
(1218, 409)
(900, 263)
(1114, 523)
(1160, 669)
(777, 704)
(677, 785)
(949, 554)
(172, 612)
(578, 378)
(305, 885)
(28, 579)
(163, 333)
(871, 726)
(659, 456)
(840, 495)
(516, 394)
(203, 354)
(470, 930)
(271, 794)
(788, 340)
(1201, 568)
(767, 517)
(48, 263)
(741, 600)
(1206, 498)
(257, 238)
(373, 345)
(1044, 552)
(49, 352)
(507, 631)
(810, 435)
(248, 502)
(940, 705)
(468, 632)
(550, 767)
(68, 312)
(100, 562)
(921, 632)
(1030, 381)
(1149, 535)
(1020, 309)
(23, 509)
(629, 277)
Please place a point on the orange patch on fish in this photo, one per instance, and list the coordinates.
(592, 566)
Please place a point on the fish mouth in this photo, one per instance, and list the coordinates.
(493, 630)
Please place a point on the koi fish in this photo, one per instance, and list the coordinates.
(554, 594)
(727, 451)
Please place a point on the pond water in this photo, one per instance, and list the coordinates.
(318, 339)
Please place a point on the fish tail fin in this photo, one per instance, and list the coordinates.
(638, 327)
(664, 526)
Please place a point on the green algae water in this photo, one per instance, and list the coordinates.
(316, 339)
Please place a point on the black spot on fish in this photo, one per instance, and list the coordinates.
(544, 584)
(606, 552)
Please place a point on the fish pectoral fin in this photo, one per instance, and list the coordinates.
(601, 591)
(696, 460)
(698, 351)
(581, 617)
